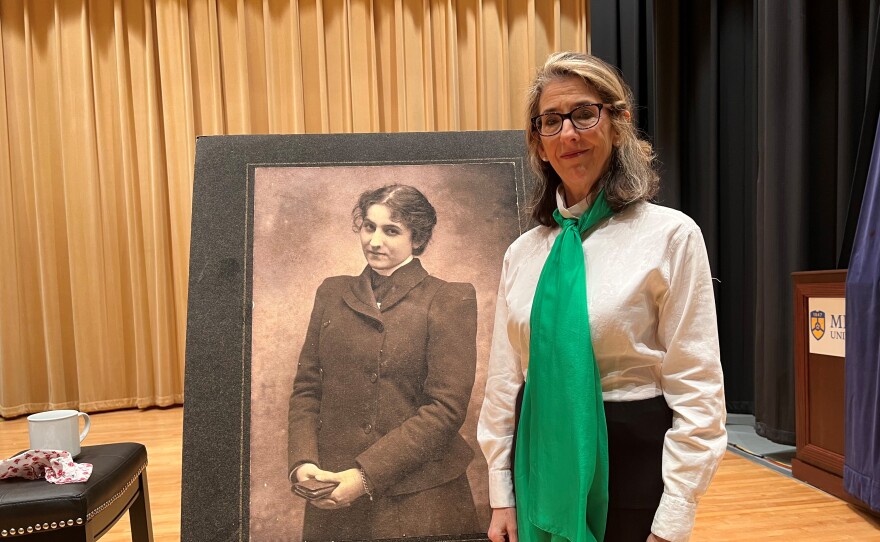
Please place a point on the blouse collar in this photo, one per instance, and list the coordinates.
(576, 210)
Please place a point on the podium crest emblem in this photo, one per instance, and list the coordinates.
(817, 324)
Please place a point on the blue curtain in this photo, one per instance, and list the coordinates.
(861, 474)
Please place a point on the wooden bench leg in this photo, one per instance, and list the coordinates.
(139, 514)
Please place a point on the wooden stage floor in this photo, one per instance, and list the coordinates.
(746, 502)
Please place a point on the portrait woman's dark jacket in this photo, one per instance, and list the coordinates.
(386, 390)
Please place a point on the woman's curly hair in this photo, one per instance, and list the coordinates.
(633, 175)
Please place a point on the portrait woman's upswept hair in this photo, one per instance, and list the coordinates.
(407, 205)
(632, 176)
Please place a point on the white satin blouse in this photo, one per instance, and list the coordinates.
(654, 331)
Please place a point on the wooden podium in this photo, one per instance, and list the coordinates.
(819, 392)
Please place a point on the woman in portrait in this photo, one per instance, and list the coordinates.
(383, 384)
(604, 371)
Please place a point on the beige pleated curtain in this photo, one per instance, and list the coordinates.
(100, 106)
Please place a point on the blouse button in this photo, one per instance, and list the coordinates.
(327, 323)
(368, 428)
(374, 377)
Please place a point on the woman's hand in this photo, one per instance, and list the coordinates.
(308, 471)
(351, 486)
(503, 525)
(654, 538)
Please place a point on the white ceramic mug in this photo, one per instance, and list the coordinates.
(57, 430)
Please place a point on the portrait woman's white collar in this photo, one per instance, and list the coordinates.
(389, 272)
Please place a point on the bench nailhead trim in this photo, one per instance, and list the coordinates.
(112, 499)
(14, 531)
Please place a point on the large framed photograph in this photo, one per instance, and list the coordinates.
(341, 303)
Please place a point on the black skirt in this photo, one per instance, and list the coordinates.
(636, 431)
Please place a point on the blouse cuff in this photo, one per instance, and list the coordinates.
(501, 489)
(674, 519)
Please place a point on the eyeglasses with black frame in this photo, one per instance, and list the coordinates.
(582, 117)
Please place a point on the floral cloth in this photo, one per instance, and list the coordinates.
(56, 466)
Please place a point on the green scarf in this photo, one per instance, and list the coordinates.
(561, 464)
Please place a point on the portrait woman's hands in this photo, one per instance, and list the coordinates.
(351, 486)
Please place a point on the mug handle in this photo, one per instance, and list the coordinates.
(85, 431)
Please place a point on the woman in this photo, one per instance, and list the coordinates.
(608, 306)
(383, 384)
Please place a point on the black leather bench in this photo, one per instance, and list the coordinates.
(37, 511)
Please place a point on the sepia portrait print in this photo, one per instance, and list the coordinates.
(341, 307)
(394, 389)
